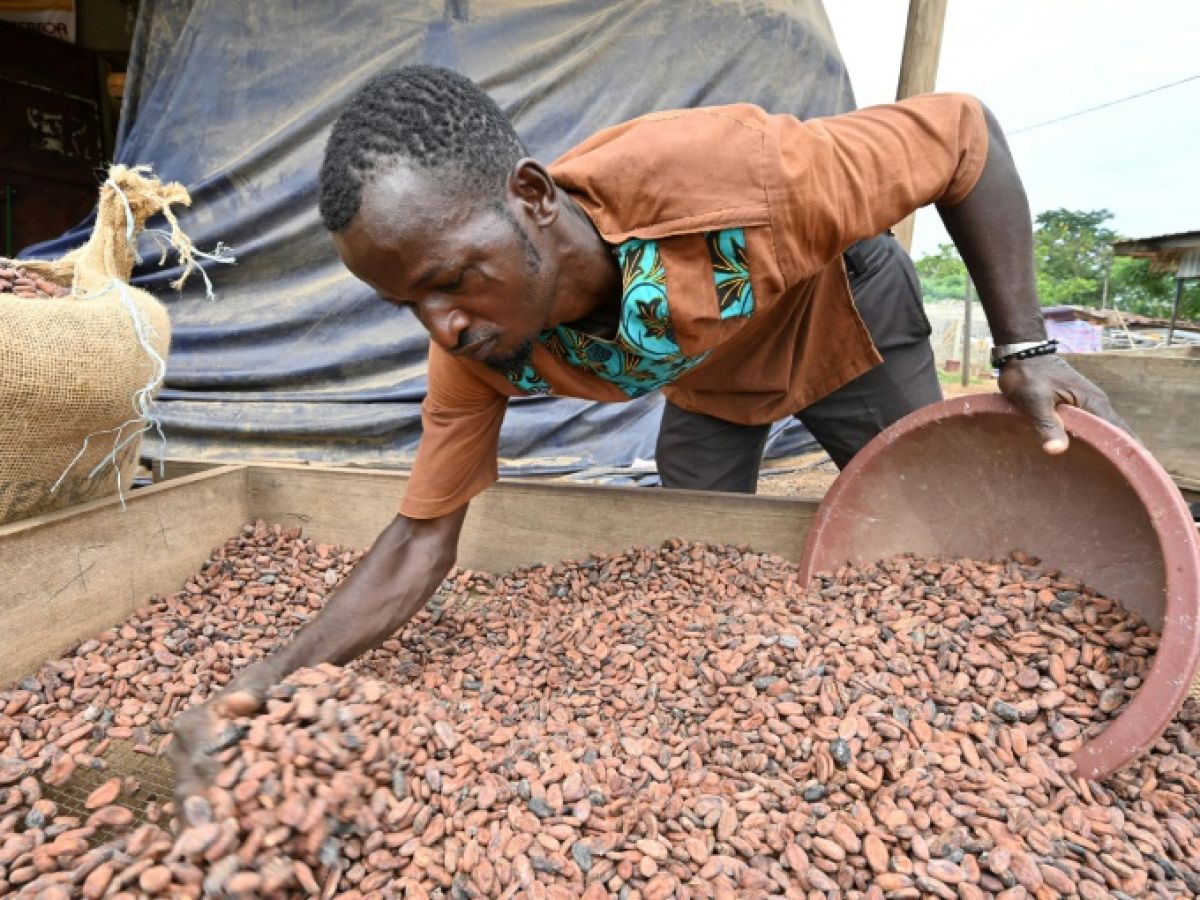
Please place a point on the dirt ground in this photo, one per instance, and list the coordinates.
(957, 390)
(811, 475)
(810, 479)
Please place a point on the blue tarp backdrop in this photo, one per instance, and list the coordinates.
(295, 359)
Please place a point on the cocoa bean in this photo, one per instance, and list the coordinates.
(16, 280)
(688, 721)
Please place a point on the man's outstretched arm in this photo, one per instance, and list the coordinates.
(388, 587)
(991, 228)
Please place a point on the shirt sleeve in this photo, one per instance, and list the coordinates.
(460, 420)
(848, 177)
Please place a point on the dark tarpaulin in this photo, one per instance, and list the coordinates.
(294, 359)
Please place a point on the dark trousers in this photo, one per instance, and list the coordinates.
(705, 453)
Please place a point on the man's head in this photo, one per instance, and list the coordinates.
(433, 201)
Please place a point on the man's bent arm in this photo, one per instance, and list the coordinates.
(992, 229)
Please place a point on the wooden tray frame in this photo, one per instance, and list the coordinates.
(66, 576)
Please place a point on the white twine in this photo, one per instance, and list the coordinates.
(222, 253)
(142, 399)
(129, 220)
(146, 334)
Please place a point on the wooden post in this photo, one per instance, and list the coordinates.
(1108, 262)
(966, 347)
(918, 69)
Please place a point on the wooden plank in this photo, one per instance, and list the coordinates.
(1158, 394)
(70, 574)
(1180, 350)
(335, 506)
(517, 523)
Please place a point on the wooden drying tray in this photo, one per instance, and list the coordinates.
(67, 576)
(1158, 393)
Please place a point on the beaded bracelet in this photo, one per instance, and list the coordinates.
(1050, 346)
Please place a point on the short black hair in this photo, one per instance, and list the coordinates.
(428, 116)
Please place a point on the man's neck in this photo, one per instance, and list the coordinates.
(590, 293)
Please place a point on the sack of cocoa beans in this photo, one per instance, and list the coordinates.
(82, 354)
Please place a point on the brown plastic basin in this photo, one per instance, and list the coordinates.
(967, 478)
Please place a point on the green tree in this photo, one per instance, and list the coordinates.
(943, 275)
(1132, 288)
(1071, 250)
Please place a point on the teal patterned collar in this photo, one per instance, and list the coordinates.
(645, 356)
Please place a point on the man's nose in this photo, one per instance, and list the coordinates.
(447, 326)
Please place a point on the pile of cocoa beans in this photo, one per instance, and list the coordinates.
(688, 721)
(15, 280)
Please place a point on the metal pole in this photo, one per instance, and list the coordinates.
(966, 347)
(1175, 310)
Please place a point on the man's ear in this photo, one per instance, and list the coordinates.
(533, 189)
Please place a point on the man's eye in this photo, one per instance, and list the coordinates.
(446, 286)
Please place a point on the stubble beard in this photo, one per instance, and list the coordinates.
(512, 365)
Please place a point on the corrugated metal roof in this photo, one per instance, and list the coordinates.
(1170, 243)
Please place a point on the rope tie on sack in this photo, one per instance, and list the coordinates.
(175, 240)
(222, 253)
(143, 399)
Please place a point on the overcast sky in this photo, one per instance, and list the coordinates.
(1033, 60)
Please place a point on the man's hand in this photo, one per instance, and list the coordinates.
(386, 589)
(197, 738)
(1039, 384)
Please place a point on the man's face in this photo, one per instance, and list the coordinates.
(467, 267)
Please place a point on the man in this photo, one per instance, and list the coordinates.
(702, 252)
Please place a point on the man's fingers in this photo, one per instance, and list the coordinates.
(239, 703)
(1036, 385)
(201, 731)
(247, 693)
(193, 766)
(1049, 425)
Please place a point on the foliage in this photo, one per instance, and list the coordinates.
(1133, 289)
(1072, 250)
(943, 276)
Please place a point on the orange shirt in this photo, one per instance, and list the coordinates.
(787, 196)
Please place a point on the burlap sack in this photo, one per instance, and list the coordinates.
(71, 368)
